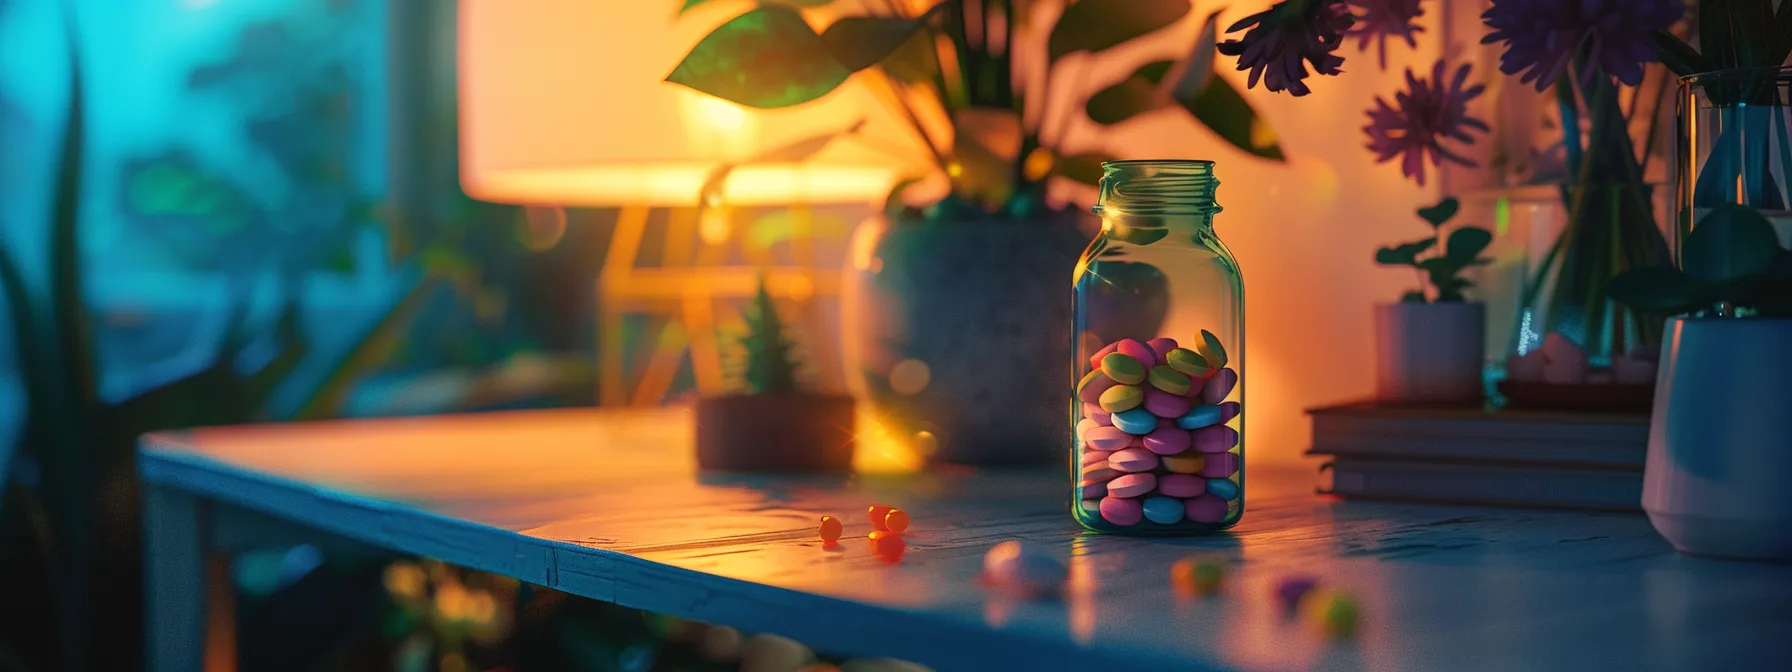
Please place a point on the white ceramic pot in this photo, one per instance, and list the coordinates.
(1429, 353)
(1718, 480)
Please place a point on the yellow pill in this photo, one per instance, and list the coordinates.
(830, 529)
(1122, 398)
(1169, 380)
(1186, 463)
(1187, 362)
(1123, 368)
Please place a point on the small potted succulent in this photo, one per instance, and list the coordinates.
(1429, 344)
(1720, 439)
(772, 423)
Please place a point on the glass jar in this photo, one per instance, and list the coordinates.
(1735, 146)
(1158, 351)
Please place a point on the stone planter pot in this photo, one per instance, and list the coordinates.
(1429, 354)
(962, 330)
(1720, 440)
(775, 433)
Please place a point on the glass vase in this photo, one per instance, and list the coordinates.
(1158, 351)
(1735, 146)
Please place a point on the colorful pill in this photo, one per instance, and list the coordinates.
(1169, 380)
(1184, 486)
(1161, 347)
(1229, 410)
(831, 529)
(1095, 456)
(1083, 426)
(1196, 576)
(1332, 613)
(1222, 488)
(1187, 362)
(1186, 463)
(1133, 460)
(1220, 465)
(1137, 350)
(1162, 510)
(1219, 386)
(1165, 405)
(1215, 439)
(1089, 389)
(1098, 472)
(1121, 511)
(1095, 360)
(1121, 398)
(889, 546)
(1131, 485)
(877, 513)
(1201, 416)
(1289, 590)
(1107, 438)
(1092, 503)
(1123, 368)
(1137, 421)
(1093, 489)
(1206, 508)
(1167, 441)
(896, 521)
(1094, 412)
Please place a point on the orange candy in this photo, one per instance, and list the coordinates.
(896, 520)
(888, 545)
(878, 513)
(830, 529)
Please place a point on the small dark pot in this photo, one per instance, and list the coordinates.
(775, 432)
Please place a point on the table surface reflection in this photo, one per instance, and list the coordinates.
(609, 505)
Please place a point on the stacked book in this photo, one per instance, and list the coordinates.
(1479, 456)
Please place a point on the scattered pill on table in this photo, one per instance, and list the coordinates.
(877, 513)
(1332, 613)
(1289, 590)
(1197, 576)
(888, 545)
(831, 529)
(896, 520)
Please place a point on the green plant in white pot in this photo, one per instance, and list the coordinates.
(1720, 440)
(956, 313)
(1429, 344)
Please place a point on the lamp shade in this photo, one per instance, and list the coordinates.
(564, 102)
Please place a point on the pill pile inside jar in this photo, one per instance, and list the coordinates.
(1154, 443)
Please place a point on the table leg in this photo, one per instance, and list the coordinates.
(174, 535)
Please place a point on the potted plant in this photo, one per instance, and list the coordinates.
(1429, 344)
(772, 424)
(1720, 440)
(955, 316)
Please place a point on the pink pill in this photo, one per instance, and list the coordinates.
(1219, 385)
(1095, 456)
(1091, 393)
(1098, 472)
(1138, 441)
(1107, 438)
(1095, 360)
(1092, 490)
(1204, 509)
(1180, 485)
(1084, 425)
(1137, 349)
(1229, 410)
(1133, 460)
(1220, 465)
(1165, 405)
(1132, 485)
(1101, 417)
(1167, 440)
(1122, 511)
(1161, 347)
(1215, 439)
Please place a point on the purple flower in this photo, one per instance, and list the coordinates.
(1424, 114)
(1382, 19)
(1283, 36)
(1543, 36)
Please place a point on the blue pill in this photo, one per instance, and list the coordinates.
(1199, 416)
(1163, 510)
(1222, 488)
(1137, 421)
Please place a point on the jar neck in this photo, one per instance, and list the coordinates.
(1175, 195)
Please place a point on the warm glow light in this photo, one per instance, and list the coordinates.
(677, 183)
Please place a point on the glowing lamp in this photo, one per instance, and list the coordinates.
(564, 102)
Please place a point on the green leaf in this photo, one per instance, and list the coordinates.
(1084, 168)
(1677, 55)
(1097, 25)
(1730, 242)
(366, 354)
(1661, 290)
(859, 42)
(1406, 254)
(1129, 98)
(688, 4)
(1466, 244)
(914, 61)
(1211, 350)
(1414, 296)
(1715, 38)
(1440, 213)
(1749, 20)
(766, 58)
(1221, 109)
(769, 366)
